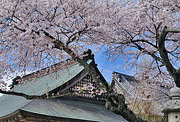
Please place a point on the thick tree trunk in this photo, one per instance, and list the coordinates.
(164, 55)
(177, 78)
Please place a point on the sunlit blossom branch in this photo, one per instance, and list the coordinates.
(147, 52)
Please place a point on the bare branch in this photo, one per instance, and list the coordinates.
(172, 31)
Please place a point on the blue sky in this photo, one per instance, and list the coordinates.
(107, 67)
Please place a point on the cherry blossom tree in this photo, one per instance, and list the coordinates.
(35, 34)
(148, 28)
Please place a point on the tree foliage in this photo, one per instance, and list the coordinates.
(33, 33)
(148, 28)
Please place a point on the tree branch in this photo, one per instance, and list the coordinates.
(137, 40)
(164, 55)
(172, 31)
(28, 97)
(149, 53)
(163, 52)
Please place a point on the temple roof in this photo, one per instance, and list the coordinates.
(127, 77)
(48, 82)
(69, 108)
(73, 108)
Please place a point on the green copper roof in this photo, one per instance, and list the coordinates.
(9, 104)
(49, 82)
(73, 108)
(59, 107)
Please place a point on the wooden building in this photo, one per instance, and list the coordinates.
(72, 97)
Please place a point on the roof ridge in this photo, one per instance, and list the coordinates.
(27, 104)
(122, 74)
